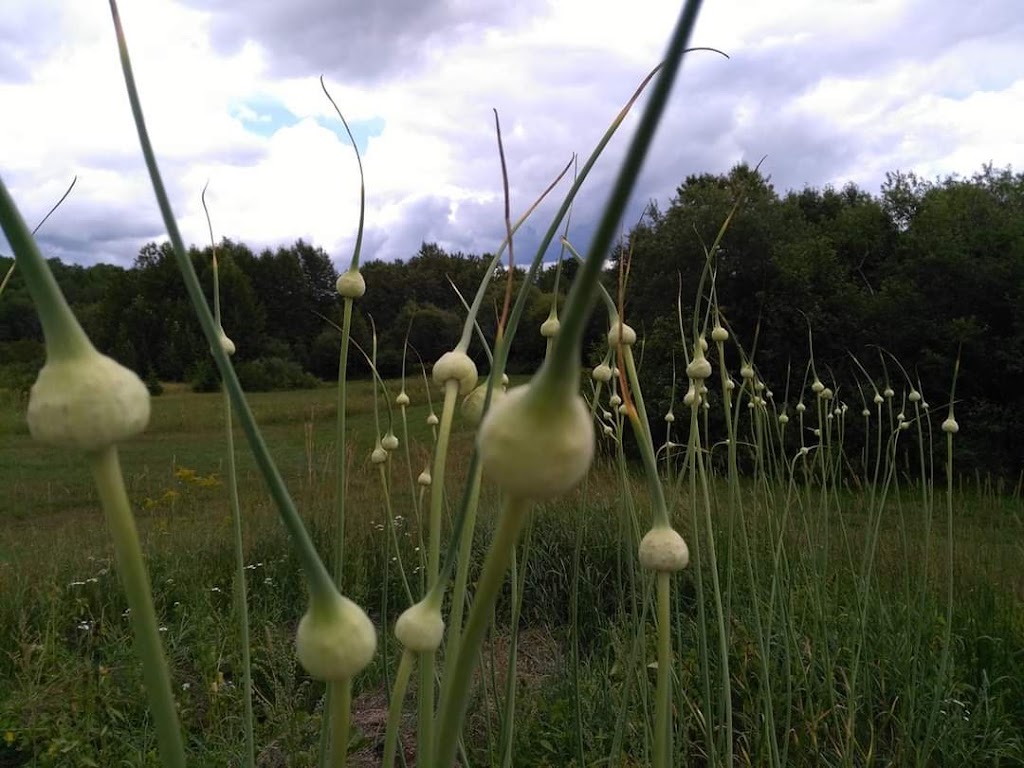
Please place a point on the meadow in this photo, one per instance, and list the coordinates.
(70, 683)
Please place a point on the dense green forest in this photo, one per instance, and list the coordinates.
(917, 273)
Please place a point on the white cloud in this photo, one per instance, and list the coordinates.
(837, 91)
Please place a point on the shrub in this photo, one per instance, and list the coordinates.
(274, 373)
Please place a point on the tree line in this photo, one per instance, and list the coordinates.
(920, 273)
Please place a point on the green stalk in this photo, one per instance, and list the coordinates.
(318, 579)
(341, 694)
(455, 701)
(663, 700)
(340, 442)
(517, 580)
(106, 471)
(394, 725)
(241, 597)
(240, 586)
(462, 573)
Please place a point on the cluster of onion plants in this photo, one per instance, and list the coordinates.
(779, 538)
(534, 443)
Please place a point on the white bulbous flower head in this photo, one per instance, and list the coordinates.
(620, 332)
(664, 550)
(602, 373)
(420, 628)
(549, 328)
(350, 285)
(699, 367)
(719, 334)
(402, 400)
(88, 401)
(335, 640)
(533, 448)
(473, 404)
(456, 366)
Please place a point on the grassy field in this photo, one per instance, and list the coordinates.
(70, 686)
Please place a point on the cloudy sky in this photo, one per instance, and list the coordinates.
(829, 90)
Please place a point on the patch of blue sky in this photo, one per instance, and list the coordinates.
(266, 116)
(262, 116)
(362, 130)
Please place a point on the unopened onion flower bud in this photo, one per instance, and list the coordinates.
(614, 401)
(817, 386)
(670, 417)
(420, 628)
(888, 392)
(432, 420)
(549, 328)
(877, 399)
(378, 455)
(473, 404)
(602, 373)
(664, 550)
(621, 331)
(950, 426)
(783, 419)
(87, 401)
(402, 400)
(350, 285)
(225, 343)
(336, 639)
(456, 366)
(389, 441)
(698, 368)
(691, 397)
(800, 407)
(914, 396)
(719, 334)
(747, 371)
(424, 479)
(534, 445)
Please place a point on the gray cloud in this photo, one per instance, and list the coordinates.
(28, 33)
(354, 40)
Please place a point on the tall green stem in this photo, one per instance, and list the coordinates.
(106, 471)
(455, 700)
(341, 694)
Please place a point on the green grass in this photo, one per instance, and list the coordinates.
(70, 685)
